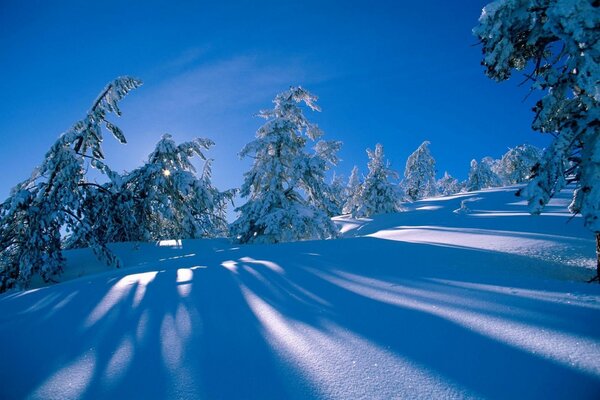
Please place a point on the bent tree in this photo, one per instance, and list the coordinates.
(558, 41)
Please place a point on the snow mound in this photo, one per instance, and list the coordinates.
(426, 303)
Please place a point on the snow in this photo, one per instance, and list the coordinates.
(424, 303)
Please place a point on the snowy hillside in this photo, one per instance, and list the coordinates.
(485, 302)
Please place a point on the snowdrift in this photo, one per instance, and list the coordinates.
(485, 302)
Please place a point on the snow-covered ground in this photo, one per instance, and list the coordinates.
(487, 302)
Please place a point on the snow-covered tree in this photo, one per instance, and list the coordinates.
(560, 40)
(448, 185)
(38, 209)
(286, 182)
(516, 164)
(378, 195)
(163, 199)
(174, 203)
(336, 193)
(353, 189)
(419, 174)
(481, 175)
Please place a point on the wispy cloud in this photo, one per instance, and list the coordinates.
(220, 87)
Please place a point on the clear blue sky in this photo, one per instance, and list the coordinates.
(393, 72)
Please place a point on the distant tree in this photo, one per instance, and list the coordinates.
(353, 193)
(51, 200)
(481, 175)
(336, 193)
(447, 185)
(378, 195)
(318, 192)
(559, 39)
(516, 164)
(286, 182)
(419, 174)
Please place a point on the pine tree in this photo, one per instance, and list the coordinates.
(377, 194)
(516, 164)
(419, 174)
(353, 189)
(51, 200)
(447, 185)
(481, 175)
(560, 39)
(286, 182)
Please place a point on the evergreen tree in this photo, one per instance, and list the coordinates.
(419, 174)
(377, 194)
(447, 185)
(282, 171)
(353, 196)
(560, 39)
(163, 199)
(336, 193)
(516, 164)
(481, 175)
(38, 209)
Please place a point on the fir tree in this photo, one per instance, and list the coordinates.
(352, 191)
(560, 40)
(336, 193)
(481, 175)
(286, 182)
(447, 185)
(419, 174)
(377, 194)
(516, 164)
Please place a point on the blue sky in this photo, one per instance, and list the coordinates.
(393, 72)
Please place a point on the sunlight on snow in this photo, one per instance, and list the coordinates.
(170, 243)
(119, 362)
(174, 332)
(71, 381)
(269, 264)
(428, 208)
(230, 265)
(554, 297)
(346, 224)
(572, 351)
(521, 243)
(184, 281)
(333, 358)
(118, 292)
(494, 213)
